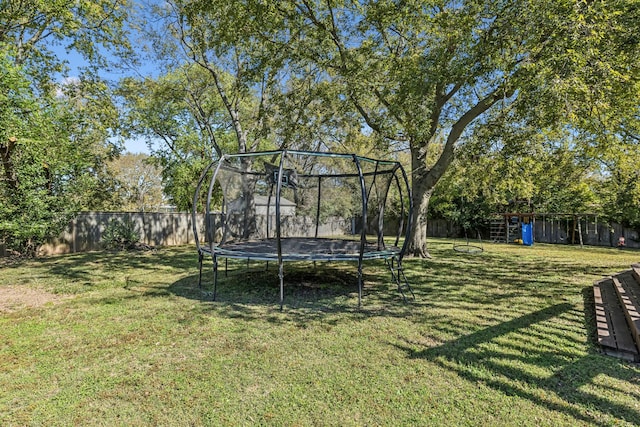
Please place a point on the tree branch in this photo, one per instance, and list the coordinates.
(344, 68)
(6, 152)
(201, 60)
(203, 123)
(458, 127)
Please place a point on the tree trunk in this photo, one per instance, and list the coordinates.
(421, 193)
(422, 185)
(424, 181)
(6, 155)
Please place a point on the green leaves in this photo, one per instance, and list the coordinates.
(55, 131)
(120, 235)
(425, 76)
(183, 119)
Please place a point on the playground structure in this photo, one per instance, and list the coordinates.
(513, 228)
(293, 206)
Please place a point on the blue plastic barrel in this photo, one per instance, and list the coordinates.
(527, 234)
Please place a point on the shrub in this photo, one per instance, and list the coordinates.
(120, 235)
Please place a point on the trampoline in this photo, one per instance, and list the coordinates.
(290, 205)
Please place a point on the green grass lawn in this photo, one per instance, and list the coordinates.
(500, 338)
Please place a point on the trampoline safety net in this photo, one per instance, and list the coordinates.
(303, 206)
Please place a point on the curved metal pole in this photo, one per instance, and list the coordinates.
(194, 208)
(269, 209)
(373, 182)
(380, 224)
(210, 193)
(402, 213)
(214, 257)
(278, 230)
(318, 205)
(381, 208)
(409, 215)
(363, 234)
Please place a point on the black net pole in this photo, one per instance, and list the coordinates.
(269, 208)
(194, 209)
(278, 228)
(381, 210)
(401, 222)
(194, 220)
(363, 233)
(208, 216)
(318, 206)
(215, 276)
(409, 214)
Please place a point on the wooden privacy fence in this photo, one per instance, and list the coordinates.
(592, 233)
(84, 233)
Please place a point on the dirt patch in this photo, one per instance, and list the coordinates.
(14, 298)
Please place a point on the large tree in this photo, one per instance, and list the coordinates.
(421, 73)
(51, 165)
(55, 133)
(223, 91)
(426, 72)
(239, 70)
(139, 183)
(540, 171)
(180, 116)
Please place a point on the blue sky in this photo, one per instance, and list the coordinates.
(75, 61)
(136, 146)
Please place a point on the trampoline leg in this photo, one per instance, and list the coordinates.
(390, 265)
(359, 286)
(400, 279)
(281, 276)
(200, 268)
(215, 277)
(226, 267)
(403, 283)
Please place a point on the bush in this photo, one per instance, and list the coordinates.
(120, 235)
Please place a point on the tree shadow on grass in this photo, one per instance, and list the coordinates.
(503, 358)
(494, 278)
(84, 270)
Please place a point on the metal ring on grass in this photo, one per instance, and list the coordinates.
(468, 249)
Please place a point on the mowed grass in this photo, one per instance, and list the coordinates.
(502, 338)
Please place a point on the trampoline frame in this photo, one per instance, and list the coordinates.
(392, 255)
